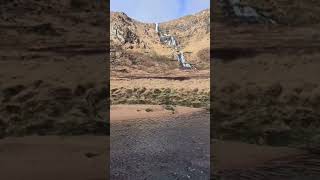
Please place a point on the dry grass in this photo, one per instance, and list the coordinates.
(45, 109)
(163, 96)
(273, 99)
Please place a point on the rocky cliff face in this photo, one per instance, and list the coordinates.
(123, 29)
(245, 13)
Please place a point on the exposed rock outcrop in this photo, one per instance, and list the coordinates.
(294, 12)
(244, 13)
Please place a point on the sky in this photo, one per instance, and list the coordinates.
(153, 11)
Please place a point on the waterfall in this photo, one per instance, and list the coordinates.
(172, 42)
(182, 60)
(157, 27)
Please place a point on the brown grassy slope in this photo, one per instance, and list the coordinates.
(139, 37)
(49, 51)
(142, 39)
(193, 33)
(191, 27)
(266, 82)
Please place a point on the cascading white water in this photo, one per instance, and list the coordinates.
(182, 60)
(157, 27)
(171, 41)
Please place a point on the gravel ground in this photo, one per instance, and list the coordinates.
(177, 147)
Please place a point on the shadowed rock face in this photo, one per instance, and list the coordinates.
(124, 35)
(282, 12)
(123, 30)
(244, 13)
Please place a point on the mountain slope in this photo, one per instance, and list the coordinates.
(265, 75)
(132, 40)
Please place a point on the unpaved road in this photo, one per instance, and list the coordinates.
(242, 161)
(170, 147)
(54, 157)
(299, 167)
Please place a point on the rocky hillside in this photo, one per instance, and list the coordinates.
(52, 67)
(266, 74)
(193, 32)
(131, 39)
(294, 12)
(127, 31)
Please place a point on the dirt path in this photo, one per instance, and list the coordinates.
(252, 162)
(247, 155)
(123, 113)
(54, 157)
(170, 147)
(299, 167)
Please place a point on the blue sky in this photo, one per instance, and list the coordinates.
(153, 11)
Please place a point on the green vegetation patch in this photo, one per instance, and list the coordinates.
(163, 96)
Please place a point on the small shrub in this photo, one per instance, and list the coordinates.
(149, 110)
(169, 108)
